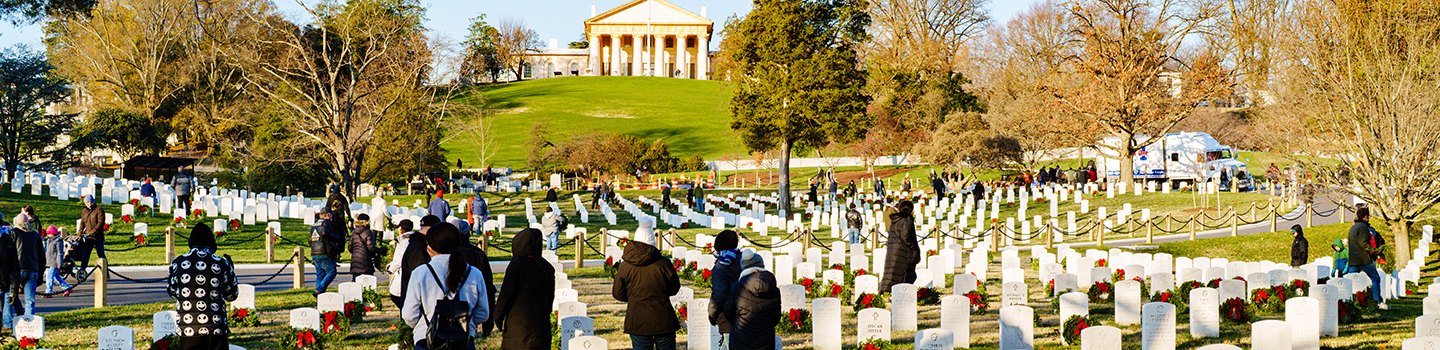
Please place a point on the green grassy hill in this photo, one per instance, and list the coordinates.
(691, 115)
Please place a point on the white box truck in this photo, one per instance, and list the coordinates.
(1181, 156)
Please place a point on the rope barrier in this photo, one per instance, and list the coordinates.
(277, 272)
(252, 239)
(135, 280)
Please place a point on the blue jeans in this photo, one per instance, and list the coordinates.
(1374, 275)
(52, 277)
(854, 234)
(28, 280)
(324, 272)
(552, 241)
(653, 342)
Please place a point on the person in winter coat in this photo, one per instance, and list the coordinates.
(645, 283)
(1300, 248)
(439, 207)
(550, 224)
(201, 281)
(476, 257)
(415, 255)
(1342, 257)
(902, 250)
(551, 195)
(326, 243)
(664, 194)
(30, 248)
(755, 307)
(92, 226)
(183, 184)
(402, 243)
(446, 276)
(147, 197)
(725, 272)
(853, 222)
(522, 311)
(1362, 253)
(362, 242)
(338, 203)
(479, 212)
(55, 247)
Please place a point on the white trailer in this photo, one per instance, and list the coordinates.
(1182, 156)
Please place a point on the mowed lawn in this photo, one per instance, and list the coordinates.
(692, 116)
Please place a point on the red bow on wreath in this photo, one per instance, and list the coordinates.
(304, 338)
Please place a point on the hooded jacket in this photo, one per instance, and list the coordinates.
(645, 283)
(362, 242)
(201, 282)
(30, 248)
(725, 272)
(755, 311)
(1300, 248)
(1343, 253)
(523, 308)
(902, 250)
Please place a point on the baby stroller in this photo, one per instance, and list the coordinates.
(72, 259)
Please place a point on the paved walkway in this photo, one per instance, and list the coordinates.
(124, 292)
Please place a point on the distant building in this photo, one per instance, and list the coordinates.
(640, 38)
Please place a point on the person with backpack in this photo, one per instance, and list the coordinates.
(522, 311)
(447, 302)
(479, 212)
(1364, 249)
(326, 242)
(476, 257)
(201, 282)
(645, 283)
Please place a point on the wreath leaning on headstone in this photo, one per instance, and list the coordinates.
(301, 339)
(334, 326)
(164, 343)
(243, 317)
(1072, 327)
(796, 321)
(868, 300)
(26, 343)
(1235, 310)
(1101, 292)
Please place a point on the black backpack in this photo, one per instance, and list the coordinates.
(9, 258)
(449, 326)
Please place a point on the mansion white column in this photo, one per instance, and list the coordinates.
(637, 42)
(658, 68)
(682, 55)
(702, 58)
(617, 46)
(594, 56)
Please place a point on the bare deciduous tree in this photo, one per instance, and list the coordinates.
(1358, 84)
(1014, 64)
(516, 41)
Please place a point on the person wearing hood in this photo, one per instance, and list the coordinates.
(476, 257)
(1342, 257)
(1300, 248)
(402, 243)
(725, 272)
(522, 310)
(902, 250)
(645, 283)
(415, 254)
(448, 277)
(755, 307)
(201, 282)
(362, 243)
(551, 195)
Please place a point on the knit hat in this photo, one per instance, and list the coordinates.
(645, 233)
(89, 198)
(726, 240)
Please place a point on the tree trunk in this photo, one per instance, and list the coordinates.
(785, 179)
(1401, 229)
(1127, 166)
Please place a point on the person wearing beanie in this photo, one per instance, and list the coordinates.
(92, 226)
(201, 282)
(439, 207)
(446, 276)
(522, 311)
(54, 260)
(1300, 248)
(725, 272)
(902, 250)
(362, 244)
(645, 283)
(326, 243)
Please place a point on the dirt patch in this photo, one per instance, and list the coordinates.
(765, 178)
(516, 110)
(610, 115)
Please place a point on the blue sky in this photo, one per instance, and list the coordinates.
(557, 19)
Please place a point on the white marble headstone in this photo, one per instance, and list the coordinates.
(330, 301)
(872, 323)
(1204, 313)
(116, 338)
(826, 324)
(33, 326)
(1100, 338)
(955, 317)
(1304, 318)
(305, 317)
(1270, 335)
(1127, 302)
(1157, 327)
(1017, 328)
(163, 324)
(904, 307)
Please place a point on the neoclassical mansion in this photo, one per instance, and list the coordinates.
(639, 38)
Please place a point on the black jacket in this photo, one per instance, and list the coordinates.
(362, 242)
(325, 239)
(523, 308)
(31, 251)
(853, 219)
(477, 258)
(645, 283)
(724, 273)
(1299, 249)
(902, 251)
(754, 311)
(1361, 253)
(414, 256)
(201, 283)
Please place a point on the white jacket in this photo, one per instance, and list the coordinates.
(425, 290)
(402, 243)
